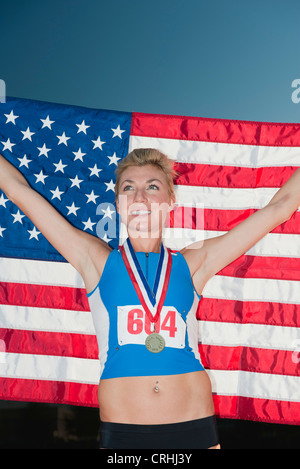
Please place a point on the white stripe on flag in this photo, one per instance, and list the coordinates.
(252, 289)
(273, 244)
(46, 319)
(39, 272)
(222, 198)
(255, 385)
(225, 154)
(49, 367)
(248, 335)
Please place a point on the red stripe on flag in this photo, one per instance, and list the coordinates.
(49, 343)
(283, 268)
(222, 220)
(215, 130)
(233, 177)
(43, 296)
(261, 410)
(216, 357)
(54, 392)
(249, 312)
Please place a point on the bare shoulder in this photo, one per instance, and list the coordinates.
(97, 255)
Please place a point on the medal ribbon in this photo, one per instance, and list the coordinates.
(152, 302)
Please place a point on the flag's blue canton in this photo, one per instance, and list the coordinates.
(69, 155)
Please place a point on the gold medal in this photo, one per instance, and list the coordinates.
(155, 343)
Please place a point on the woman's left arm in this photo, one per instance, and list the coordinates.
(210, 256)
(289, 195)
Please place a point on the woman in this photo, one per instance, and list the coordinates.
(153, 392)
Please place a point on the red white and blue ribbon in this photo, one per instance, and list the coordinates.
(151, 301)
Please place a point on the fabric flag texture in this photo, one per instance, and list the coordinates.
(249, 316)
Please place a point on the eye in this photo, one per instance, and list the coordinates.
(126, 187)
(154, 185)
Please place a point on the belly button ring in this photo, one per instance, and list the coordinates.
(156, 389)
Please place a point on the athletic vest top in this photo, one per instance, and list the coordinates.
(122, 326)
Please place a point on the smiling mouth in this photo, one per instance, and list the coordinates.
(140, 212)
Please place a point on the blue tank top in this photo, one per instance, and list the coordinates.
(122, 326)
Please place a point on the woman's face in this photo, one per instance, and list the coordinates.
(144, 201)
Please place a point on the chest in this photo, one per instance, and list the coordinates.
(117, 288)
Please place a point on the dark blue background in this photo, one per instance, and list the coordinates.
(208, 58)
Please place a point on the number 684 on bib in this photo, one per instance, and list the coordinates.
(134, 326)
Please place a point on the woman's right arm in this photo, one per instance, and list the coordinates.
(82, 250)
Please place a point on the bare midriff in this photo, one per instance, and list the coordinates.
(151, 400)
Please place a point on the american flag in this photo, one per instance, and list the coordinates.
(249, 337)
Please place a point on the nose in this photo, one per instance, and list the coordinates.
(140, 196)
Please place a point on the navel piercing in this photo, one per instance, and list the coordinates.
(156, 389)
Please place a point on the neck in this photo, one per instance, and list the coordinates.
(145, 244)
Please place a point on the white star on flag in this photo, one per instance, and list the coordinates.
(108, 212)
(110, 186)
(98, 143)
(44, 150)
(34, 233)
(11, 118)
(47, 123)
(24, 161)
(18, 217)
(117, 132)
(72, 209)
(92, 197)
(59, 166)
(76, 182)
(56, 193)
(79, 155)
(3, 201)
(95, 171)
(82, 127)
(40, 177)
(113, 159)
(88, 225)
(8, 145)
(63, 139)
(1, 231)
(27, 134)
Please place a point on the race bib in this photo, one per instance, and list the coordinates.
(134, 326)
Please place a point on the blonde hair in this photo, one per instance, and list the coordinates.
(145, 156)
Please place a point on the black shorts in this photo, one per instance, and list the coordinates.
(194, 434)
